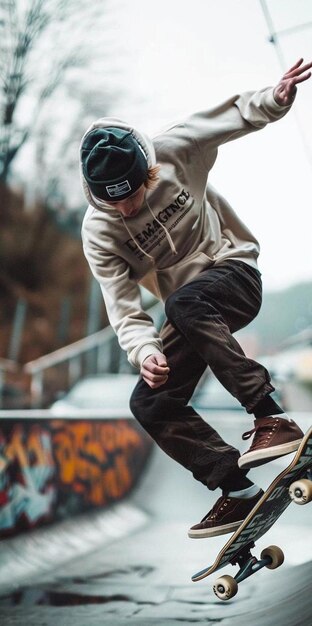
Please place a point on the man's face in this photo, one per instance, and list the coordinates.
(132, 205)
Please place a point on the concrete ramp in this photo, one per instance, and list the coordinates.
(136, 569)
(288, 605)
(285, 602)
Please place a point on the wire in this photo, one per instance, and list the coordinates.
(274, 39)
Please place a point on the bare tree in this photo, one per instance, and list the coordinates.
(56, 170)
(23, 26)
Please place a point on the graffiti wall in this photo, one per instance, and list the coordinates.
(27, 476)
(51, 469)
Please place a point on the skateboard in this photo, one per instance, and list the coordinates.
(293, 484)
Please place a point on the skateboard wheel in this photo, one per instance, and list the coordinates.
(301, 491)
(276, 555)
(225, 587)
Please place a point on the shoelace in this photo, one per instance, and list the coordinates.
(263, 432)
(217, 508)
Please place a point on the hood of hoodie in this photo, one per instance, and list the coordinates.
(143, 140)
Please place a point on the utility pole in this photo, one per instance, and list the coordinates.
(274, 38)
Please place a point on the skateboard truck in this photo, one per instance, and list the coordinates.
(226, 587)
(248, 563)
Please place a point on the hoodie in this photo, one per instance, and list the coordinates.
(184, 225)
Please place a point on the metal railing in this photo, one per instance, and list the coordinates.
(97, 353)
(7, 366)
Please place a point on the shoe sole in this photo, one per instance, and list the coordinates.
(265, 455)
(214, 532)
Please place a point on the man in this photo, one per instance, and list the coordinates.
(154, 220)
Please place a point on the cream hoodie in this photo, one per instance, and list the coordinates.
(184, 225)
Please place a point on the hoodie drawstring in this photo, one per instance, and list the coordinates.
(135, 241)
(168, 236)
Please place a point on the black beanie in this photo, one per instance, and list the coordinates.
(113, 163)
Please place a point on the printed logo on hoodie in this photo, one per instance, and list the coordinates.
(155, 230)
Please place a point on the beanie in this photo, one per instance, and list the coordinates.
(113, 164)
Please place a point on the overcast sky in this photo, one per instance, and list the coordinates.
(183, 56)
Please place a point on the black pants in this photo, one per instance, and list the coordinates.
(202, 315)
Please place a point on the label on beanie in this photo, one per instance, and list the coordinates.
(119, 189)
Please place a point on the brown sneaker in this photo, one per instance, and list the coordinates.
(273, 437)
(225, 516)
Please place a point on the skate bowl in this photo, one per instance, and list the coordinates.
(132, 562)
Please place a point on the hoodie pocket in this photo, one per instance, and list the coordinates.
(174, 276)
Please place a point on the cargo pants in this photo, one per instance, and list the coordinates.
(201, 319)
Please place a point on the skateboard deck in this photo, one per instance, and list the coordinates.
(264, 514)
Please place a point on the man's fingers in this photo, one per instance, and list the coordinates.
(286, 89)
(154, 381)
(294, 67)
(161, 360)
(155, 385)
(298, 69)
(153, 377)
(156, 364)
(155, 370)
(302, 78)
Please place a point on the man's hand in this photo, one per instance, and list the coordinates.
(155, 370)
(286, 89)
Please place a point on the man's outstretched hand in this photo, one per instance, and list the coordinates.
(286, 89)
(155, 370)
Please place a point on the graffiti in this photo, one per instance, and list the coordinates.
(56, 468)
(26, 469)
(96, 459)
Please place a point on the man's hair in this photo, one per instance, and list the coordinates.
(152, 177)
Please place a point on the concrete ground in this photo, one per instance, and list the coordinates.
(133, 564)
